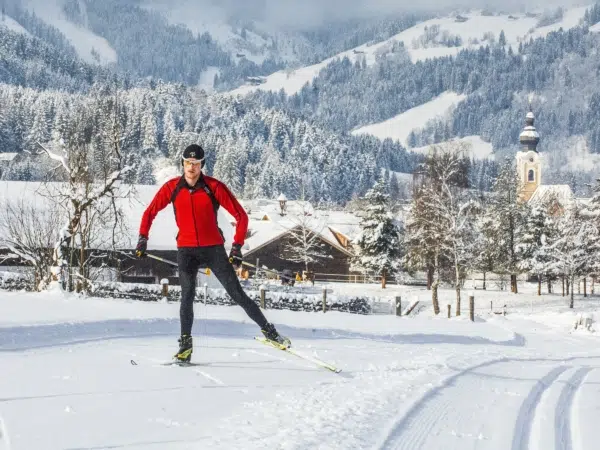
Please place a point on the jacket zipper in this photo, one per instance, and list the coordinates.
(194, 218)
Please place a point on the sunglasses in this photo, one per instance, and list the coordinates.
(192, 162)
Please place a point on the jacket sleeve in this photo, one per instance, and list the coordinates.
(159, 202)
(226, 199)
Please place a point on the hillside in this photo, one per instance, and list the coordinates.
(432, 38)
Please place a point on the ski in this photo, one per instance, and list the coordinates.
(290, 350)
(180, 363)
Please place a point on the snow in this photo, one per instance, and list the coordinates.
(595, 28)
(579, 157)
(7, 157)
(477, 147)
(12, 25)
(399, 127)
(520, 29)
(86, 373)
(546, 192)
(82, 39)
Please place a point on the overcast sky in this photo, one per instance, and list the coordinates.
(313, 12)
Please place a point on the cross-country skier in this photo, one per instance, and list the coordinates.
(196, 199)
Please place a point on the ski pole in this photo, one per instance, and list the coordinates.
(158, 258)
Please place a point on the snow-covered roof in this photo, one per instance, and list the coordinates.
(545, 193)
(267, 224)
(265, 221)
(529, 132)
(7, 156)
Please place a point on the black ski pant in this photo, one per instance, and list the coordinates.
(189, 259)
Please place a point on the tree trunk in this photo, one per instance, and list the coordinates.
(569, 287)
(429, 277)
(484, 287)
(549, 285)
(572, 294)
(585, 286)
(383, 279)
(539, 285)
(434, 297)
(513, 284)
(457, 273)
(562, 277)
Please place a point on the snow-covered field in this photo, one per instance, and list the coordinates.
(86, 373)
(517, 27)
(399, 127)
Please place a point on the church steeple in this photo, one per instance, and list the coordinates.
(529, 137)
(529, 167)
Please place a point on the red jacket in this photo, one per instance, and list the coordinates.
(195, 215)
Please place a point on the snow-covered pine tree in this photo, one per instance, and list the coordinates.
(507, 215)
(379, 242)
(576, 246)
(532, 253)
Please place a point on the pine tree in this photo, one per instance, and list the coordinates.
(379, 242)
(507, 215)
(532, 251)
(576, 246)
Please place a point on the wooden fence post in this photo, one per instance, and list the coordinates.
(472, 307)
(449, 310)
(324, 299)
(262, 297)
(165, 287)
(398, 306)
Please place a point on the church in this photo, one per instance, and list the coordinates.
(529, 169)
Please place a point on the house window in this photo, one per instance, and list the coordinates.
(531, 175)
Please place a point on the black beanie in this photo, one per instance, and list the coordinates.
(193, 151)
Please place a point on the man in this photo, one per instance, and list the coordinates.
(196, 199)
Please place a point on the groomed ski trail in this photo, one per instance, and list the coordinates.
(468, 410)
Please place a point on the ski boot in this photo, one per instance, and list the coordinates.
(185, 349)
(271, 334)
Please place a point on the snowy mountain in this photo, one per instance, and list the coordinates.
(433, 38)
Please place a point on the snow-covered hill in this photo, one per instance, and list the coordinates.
(400, 126)
(90, 47)
(430, 39)
(241, 42)
(476, 148)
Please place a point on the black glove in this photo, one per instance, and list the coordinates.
(140, 250)
(235, 255)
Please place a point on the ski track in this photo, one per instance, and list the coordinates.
(524, 423)
(417, 425)
(564, 411)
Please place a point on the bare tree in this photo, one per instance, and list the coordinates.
(304, 244)
(30, 233)
(92, 164)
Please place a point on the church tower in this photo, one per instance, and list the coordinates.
(528, 160)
